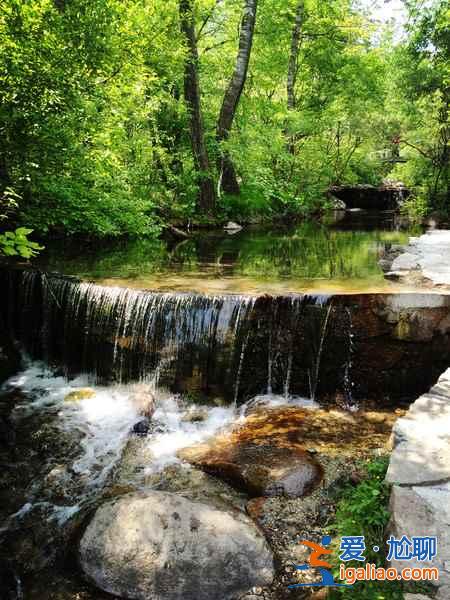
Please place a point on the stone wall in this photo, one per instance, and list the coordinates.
(419, 470)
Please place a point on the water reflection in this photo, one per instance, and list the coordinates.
(341, 255)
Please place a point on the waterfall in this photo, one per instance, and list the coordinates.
(205, 345)
(348, 383)
(314, 380)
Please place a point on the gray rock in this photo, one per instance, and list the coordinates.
(420, 468)
(424, 511)
(416, 597)
(141, 427)
(405, 262)
(162, 546)
(232, 227)
(422, 439)
(442, 594)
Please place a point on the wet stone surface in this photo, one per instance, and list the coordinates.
(277, 452)
(44, 539)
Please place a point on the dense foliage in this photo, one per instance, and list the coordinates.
(122, 116)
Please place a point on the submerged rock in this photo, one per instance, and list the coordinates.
(195, 415)
(198, 486)
(252, 459)
(162, 546)
(143, 399)
(142, 427)
(38, 535)
(281, 451)
(83, 394)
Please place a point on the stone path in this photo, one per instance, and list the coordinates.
(420, 473)
(427, 255)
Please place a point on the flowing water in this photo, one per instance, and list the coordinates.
(79, 432)
(188, 342)
(93, 353)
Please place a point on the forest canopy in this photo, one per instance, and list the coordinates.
(121, 117)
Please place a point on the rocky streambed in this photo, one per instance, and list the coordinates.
(176, 446)
(211, 497)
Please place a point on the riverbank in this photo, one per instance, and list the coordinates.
(423, 262)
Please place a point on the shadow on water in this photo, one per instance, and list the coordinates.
(341, 255)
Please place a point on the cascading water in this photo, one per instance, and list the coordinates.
(350, 403)
(204, 361)
(314, 377)
(110, 345)
(186, 342)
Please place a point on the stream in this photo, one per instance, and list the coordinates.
(117, 385)
(339, 255)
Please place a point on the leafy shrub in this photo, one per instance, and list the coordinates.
(16, 243)
(363, 510)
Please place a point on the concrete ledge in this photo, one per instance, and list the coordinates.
(420, 471)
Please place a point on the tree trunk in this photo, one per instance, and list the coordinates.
(60, 5)
(4, 175)
(293, 67)
(207, 196)
(233, 93)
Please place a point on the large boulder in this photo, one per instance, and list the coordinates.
(163, 546)
(263, 456)
(281, 451)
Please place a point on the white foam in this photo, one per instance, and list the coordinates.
(276, 401)
(179, 434)
(106, 419)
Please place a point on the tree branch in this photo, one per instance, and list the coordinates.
(419, 150)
